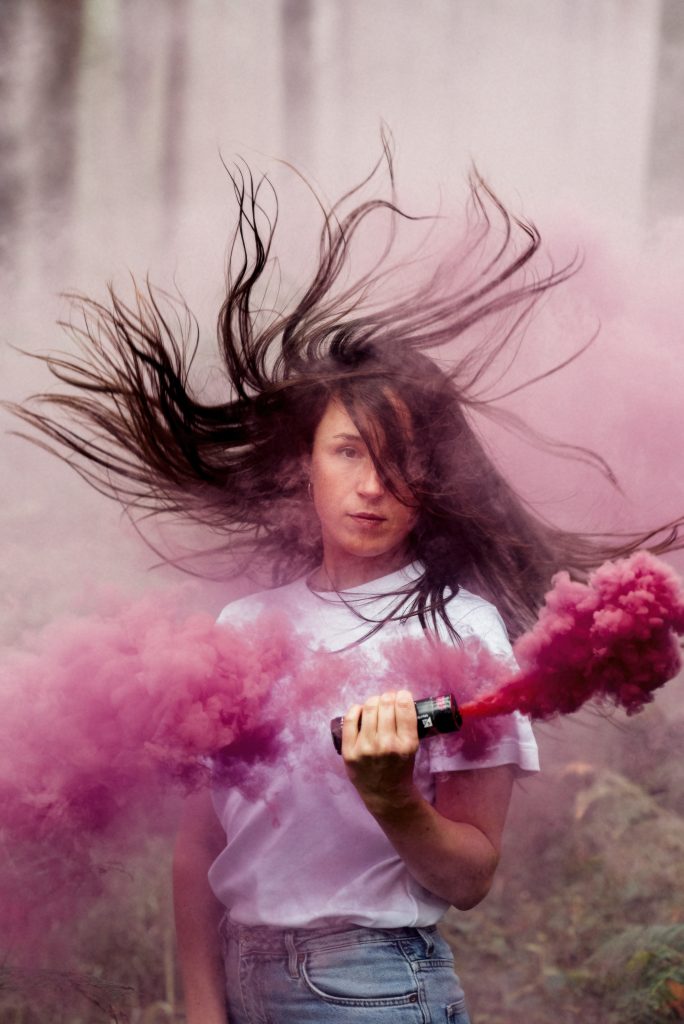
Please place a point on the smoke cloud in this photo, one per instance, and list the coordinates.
(109, 717)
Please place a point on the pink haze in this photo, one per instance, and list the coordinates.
(107, 710)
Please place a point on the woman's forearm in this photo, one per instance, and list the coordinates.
(452, 859)
(451, 849)
(198, 912)
(197, 915)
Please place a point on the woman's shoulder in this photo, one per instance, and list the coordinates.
(465, 603)
(245, 609)
(471, 615)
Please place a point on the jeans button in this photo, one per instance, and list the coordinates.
(413, 998)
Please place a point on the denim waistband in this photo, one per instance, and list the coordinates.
(264, 939)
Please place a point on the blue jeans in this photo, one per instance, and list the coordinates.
(346, 976)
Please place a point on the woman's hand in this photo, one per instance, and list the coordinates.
(379, 744)
(451, 849)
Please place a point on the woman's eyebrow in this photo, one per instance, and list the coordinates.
(348, 437)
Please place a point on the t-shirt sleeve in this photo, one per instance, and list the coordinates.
(239, 613)
(515, 743)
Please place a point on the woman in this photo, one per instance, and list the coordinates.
(341, 457)
(376, 880)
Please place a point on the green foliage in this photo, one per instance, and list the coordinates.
(640, 972)
(586, 921)
(117, 964)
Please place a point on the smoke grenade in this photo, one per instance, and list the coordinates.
(435, 715)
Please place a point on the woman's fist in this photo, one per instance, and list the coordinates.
(379, 744)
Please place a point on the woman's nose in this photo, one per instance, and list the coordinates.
(370, 483)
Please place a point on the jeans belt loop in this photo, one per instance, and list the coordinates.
(428, 940)
(292, 958)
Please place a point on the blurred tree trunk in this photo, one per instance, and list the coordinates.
(54, 124)
(11, 182)
(173, 136)
(298, 79)
(169, 965)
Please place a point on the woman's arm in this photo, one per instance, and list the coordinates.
(451, 849)
(198, 912)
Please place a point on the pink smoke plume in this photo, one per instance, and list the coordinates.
(612, 640)
(107, 710)
(97, 718)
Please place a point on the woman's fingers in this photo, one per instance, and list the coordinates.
(369, 718)
(383, 724)
(387, 721)
(350, 727)
(407, 720)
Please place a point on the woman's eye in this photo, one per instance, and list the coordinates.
(348, 453)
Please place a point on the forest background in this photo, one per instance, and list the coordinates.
(115, 115)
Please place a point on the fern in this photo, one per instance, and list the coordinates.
(639, 975)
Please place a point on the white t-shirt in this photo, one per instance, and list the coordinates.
(306, 852)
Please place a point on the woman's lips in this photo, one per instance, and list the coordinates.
(367, 518)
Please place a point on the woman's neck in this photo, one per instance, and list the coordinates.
(331, 575)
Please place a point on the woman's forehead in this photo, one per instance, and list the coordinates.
(371, 416)
(337, 420)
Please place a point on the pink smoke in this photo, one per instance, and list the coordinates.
(107, 710)
(98, 717)
(469, 671)
(611, 640)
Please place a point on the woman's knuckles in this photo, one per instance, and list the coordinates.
(371, 706)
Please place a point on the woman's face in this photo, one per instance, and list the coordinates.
(360, 519)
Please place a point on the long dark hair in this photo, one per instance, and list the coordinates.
(137, 430)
